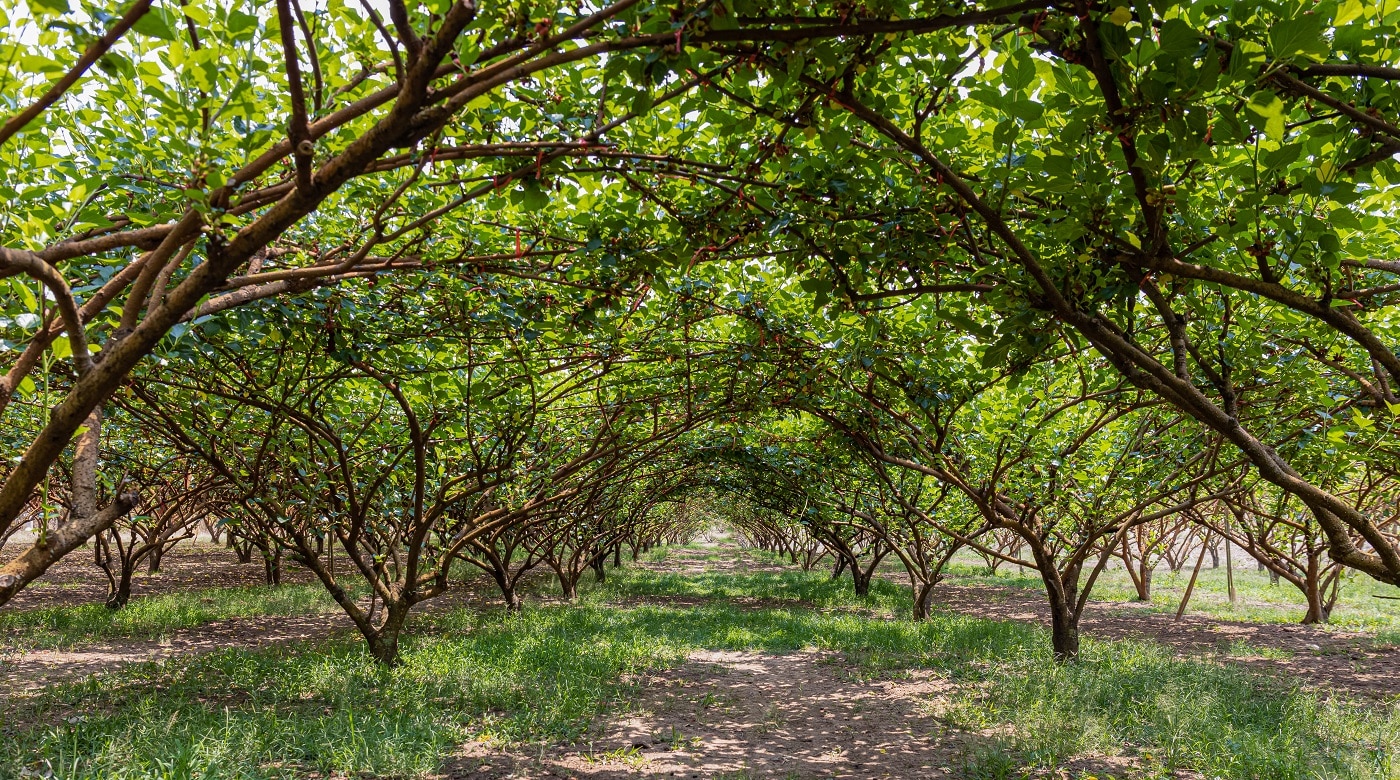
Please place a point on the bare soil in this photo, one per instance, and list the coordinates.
(27, 672)
(736, 714)
(1332, 661)
(191, 566)
(726, 714)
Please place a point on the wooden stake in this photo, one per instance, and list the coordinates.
(1230, 575)
(1190, 586)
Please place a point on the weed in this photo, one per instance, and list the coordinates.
(546, 676)
(153, 616)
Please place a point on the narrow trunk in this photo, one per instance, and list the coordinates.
(120, 593)
(1315, 614)
(1064, 628)
(923, 600)
(506, 585)
(617, 556)
(862, 580)
(384, 643)
(1230, 573)
(568, 586)
(1318, 612)
(272, 567)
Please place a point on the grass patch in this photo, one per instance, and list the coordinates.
(548, 675)
(814, 589)
(327, 708)
(1260, 600)
(154, 616)
(1135, 699)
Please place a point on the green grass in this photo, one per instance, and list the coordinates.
(154, 616)
(1260, 601)
(549, 674)
(813, 589)
(1134, 698)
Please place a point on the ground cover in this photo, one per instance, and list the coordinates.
(670, 666)
(1363, 603)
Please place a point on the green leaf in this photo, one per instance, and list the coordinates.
(1360, 420)
(1302, 35)
(153, 24)
(1348, 11)
(240, 24)
(49, 7)
(534, 197)
(1268, 106)
(1177, 40)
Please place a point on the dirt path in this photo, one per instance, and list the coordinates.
(748, 715)
(77, 580)
(726, 714)
(754, 715)
(1332, 661)
(24, 673)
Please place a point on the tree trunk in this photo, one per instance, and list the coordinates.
(617, 556)
(1318, 610)
(506, 586)
(272, 566)
(1064, 629)
(384, 643)
(120, 593)
(600, 572)
(923, 600)
(1316, 613)
(861, 580)
(153, 562)
(568, 586)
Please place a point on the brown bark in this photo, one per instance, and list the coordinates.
(41, 555)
